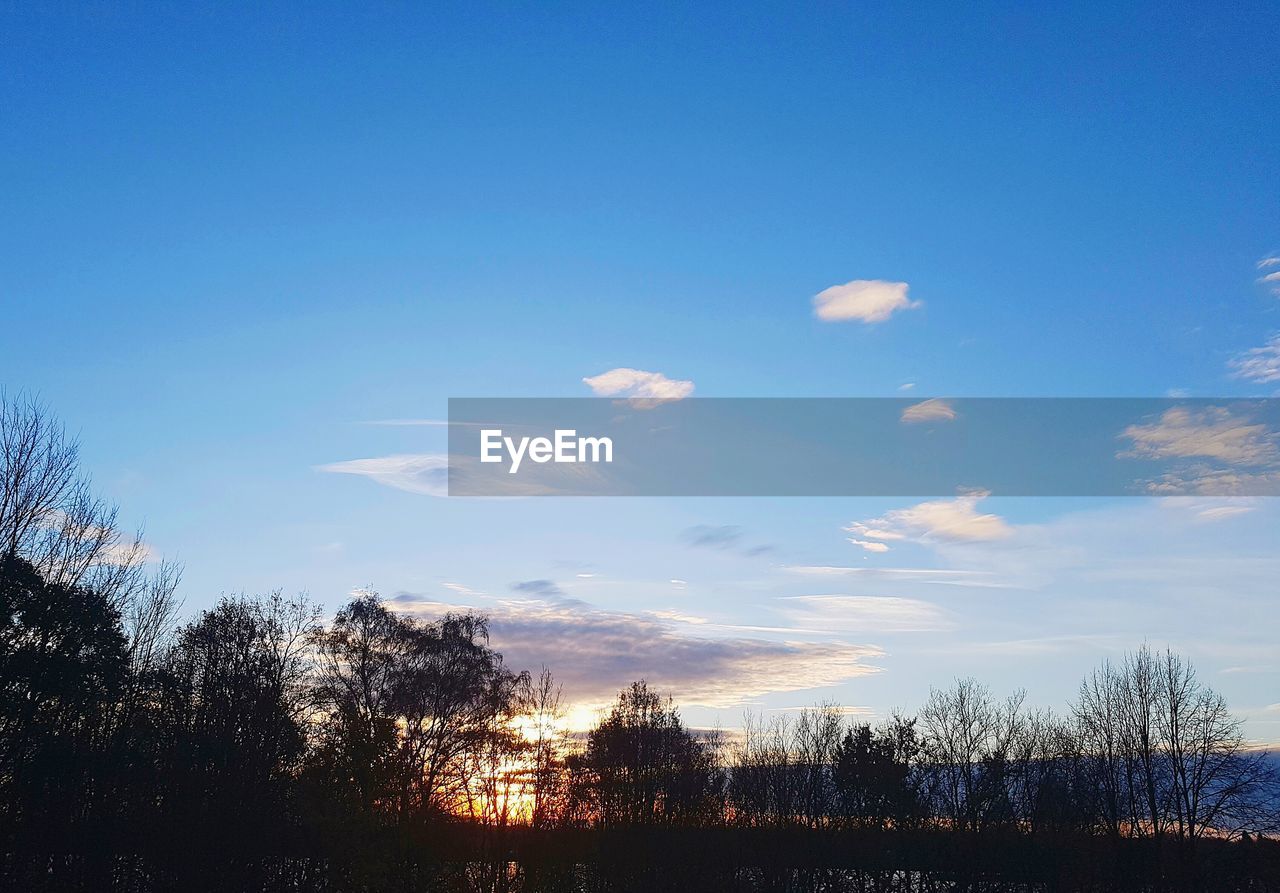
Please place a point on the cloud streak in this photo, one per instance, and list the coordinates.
(865, 613)
(1260, 364)
(423, 473)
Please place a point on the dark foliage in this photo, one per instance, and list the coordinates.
(260, 750)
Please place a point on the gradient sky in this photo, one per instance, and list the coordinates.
(235, 237)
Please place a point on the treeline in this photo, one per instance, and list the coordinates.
(256, 747)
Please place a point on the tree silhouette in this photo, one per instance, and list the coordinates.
(62, 666)
(645, 768)
(873, 773)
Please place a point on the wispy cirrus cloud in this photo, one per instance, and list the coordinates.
(637, 383)
(938, 576)
(428, 474)
(541, 589)
(596, 652)
(956, 520)
(1271, 280)
(870, 545)
(1211, 432)
(864, 613)
(708, 536)
(862, 300)
(931, 410)
(1260, 364)
(424, 473)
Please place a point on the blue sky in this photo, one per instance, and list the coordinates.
(233, 236)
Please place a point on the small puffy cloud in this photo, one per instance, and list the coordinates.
(931, 410)
(1271, 261)
(864, 300)
(1261, 364)
(624, 382)
(956, 520)
(1212, 432)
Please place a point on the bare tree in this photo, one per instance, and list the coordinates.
(50, 517)
(967, 737)
(1215, 783)
(548, 744)
(1167, 754)
(38, 467)
(816, 740)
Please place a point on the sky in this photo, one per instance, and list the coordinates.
(240, 240)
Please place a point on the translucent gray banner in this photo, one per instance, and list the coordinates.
(864, 447)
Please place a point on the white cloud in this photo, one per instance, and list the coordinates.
(864, 613)
(1210, 510)
(1204, 480)
(426, 473)
(931, 410)
(429, 473)
(596, 652)
(864, 300)
(1209, 433)
(1271, 279)
(1219, 512)
(624, 382)
(127, 554)
(940, 576)
(870, 545)
(878, 532)
(678, 617)
(956, 520)
(1259, 363)
(410, 423)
